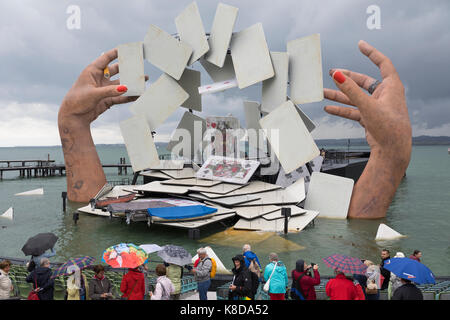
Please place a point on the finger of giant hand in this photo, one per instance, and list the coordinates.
(110, 101)
(109, 91)
(352, 90)
(105, 59)
(362, 80)
(344, 112)
(336, 96)
(117, 81)
(385, 65)
(113, 69)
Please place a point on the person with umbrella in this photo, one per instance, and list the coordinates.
(340, 287)
(409, 270)
(41, 278)
(128, 255)
(37, 246)
(133, 284)
(77, 285)
(407, 291)
(174, 257)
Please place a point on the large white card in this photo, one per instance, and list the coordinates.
(218, 74)
(330, 195)
(131, 66)
(190, 81)
(305, 69)
(220, 35)
(159, 101)
(274, 90)
(139, 143)
(251, 56)
(290, 139)
(188, 136)
(190, 29)
(165, 52)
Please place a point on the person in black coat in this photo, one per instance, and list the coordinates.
(407, 291)
(385, 255)
(42, 277)
(241, 286)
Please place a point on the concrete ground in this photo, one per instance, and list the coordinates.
(193, 295)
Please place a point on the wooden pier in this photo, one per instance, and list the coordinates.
(48, 168)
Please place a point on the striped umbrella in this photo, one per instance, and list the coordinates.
(345, 264)
(81, 263)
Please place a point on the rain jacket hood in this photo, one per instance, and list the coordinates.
(241, 259)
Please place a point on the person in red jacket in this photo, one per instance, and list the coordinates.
(307, 282)
(341, 288)
(133, 285)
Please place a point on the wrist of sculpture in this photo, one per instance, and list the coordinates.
(84, 170)
(376, 187)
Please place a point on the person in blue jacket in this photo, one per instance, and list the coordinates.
(249, 255)
(278, 278)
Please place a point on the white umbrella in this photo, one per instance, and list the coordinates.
(150, 248)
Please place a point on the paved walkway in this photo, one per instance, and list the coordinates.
(193, 295)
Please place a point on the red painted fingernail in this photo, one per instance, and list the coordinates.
(122, 89)
(339, 77)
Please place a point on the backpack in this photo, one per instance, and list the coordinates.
(213, 268)
(255, 283)
(254, 268)
(296, 293)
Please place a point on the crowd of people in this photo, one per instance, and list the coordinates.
(248, 276)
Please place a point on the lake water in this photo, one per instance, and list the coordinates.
(420, 210)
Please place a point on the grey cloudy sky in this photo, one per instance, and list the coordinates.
(41, 57)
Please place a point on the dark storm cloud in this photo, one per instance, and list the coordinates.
(41, 58)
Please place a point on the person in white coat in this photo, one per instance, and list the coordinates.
(164, 287)
(6, 286)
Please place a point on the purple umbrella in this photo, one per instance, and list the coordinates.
(345, 264)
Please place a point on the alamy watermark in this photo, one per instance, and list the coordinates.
(73, 22)
(374, 20)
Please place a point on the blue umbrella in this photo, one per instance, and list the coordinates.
(410, 270)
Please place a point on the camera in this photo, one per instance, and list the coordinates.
(310, 268)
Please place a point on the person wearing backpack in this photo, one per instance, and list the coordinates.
(241, 288)
(202, 273)
(249, 255)
(275, 272)
(303, 282)
(174, 273)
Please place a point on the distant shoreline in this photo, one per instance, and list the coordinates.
(417, 141)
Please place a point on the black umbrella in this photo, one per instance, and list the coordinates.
(38, 244)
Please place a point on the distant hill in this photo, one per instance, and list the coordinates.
(428, 140)
(417, 141)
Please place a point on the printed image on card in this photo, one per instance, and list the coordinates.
(231, 170)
